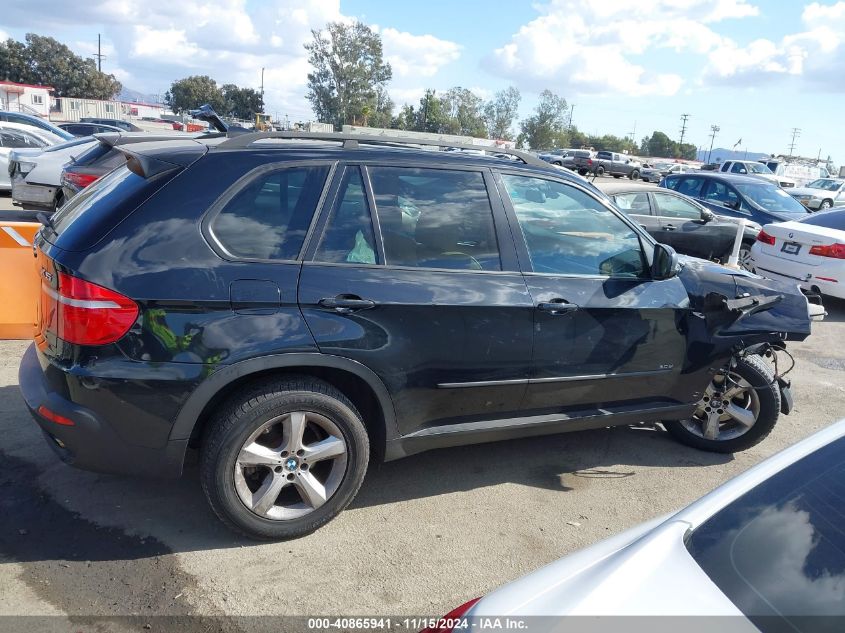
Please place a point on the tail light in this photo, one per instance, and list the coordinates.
(84, 313)
(764, 237)
(836, 251)
(589, 161)
(451, 620)
(80, 181)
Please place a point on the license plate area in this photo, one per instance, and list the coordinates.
(790, 248)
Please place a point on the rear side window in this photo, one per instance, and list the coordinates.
(270, 216)
(688, 185)
(17, 139)
(435, 218)
(636, 203)
(348, 236)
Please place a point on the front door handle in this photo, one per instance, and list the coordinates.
(668, 227)
(346, 304)
(557, 306)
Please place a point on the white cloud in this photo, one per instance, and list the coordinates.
(814, 55)
(588, 47)
(417, 55)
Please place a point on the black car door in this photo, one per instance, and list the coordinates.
(425, 291)
(606, 336)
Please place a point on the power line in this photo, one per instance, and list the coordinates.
(713, 130)
(796, 132)
(684, 118)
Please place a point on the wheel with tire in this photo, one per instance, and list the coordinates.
(635, 175)
(283, 457)
(737, 410)
(582, 172)
(558, 163)
(744, 256)
(826, 204)
(599, 171)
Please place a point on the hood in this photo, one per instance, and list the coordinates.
(809, 191)
(652, 574)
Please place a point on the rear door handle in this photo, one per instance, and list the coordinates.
(557, 306)
(345, 304)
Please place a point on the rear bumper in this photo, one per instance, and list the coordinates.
(91, 443)
(808, 277)
(25, 194)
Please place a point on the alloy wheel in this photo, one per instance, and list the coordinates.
(291, 465)
(744, 258)
(728, 409)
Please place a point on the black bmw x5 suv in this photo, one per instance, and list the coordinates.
(290, 305)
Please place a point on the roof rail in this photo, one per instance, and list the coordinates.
(113, 139)
(351, 141)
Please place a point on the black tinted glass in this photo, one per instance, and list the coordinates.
(435, 218)
(829, 220)
(348, 236)
(269, 217)
(778, 552)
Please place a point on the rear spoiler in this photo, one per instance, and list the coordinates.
(142, 163)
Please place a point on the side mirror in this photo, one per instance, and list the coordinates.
(743, 171)
(707, 216)
(665, 264)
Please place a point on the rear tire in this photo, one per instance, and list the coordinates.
(599, 171)
(635, 175)
(304, 488)
(760, 396)
(744, 259)
(582, 172)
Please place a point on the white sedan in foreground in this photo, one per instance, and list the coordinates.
(810, 251)
(766, 549)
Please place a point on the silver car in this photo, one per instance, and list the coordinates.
(767, 547)
(823, 193)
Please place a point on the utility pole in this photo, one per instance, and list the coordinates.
(634, 133)
(684, 118)
(571, 110)
(713, 130)
(262, 83)
(796, 132)
(99, 55)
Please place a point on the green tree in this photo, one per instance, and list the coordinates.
(241, 103)
(547, 127)
(431, 116)
(463, 107)
(348, 70)
(500, 113)
(380, 109)
(46, 61)
(194, 91)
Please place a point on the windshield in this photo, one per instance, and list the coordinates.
(758, 168)
(825, 183)
(771, 198)
(778, 551)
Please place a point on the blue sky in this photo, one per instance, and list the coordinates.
(756, 68)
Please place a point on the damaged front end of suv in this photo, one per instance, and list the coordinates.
(736, 330)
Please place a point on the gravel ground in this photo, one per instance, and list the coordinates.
(424, 535)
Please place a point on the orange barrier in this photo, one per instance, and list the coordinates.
(19, 281)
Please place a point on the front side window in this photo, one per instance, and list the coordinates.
(738, 168)
(675, 207)
(568, 232)
(348, 236)
(269, 217)
(435, 218)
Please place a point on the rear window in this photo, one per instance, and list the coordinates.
(94, 211)
(778, 552)
(829, 220)
(270, 216)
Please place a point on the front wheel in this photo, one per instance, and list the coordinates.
(635, 175)
(737, 411)
(284, 457)
(744, 256)
(826, 204)
(599, 171)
